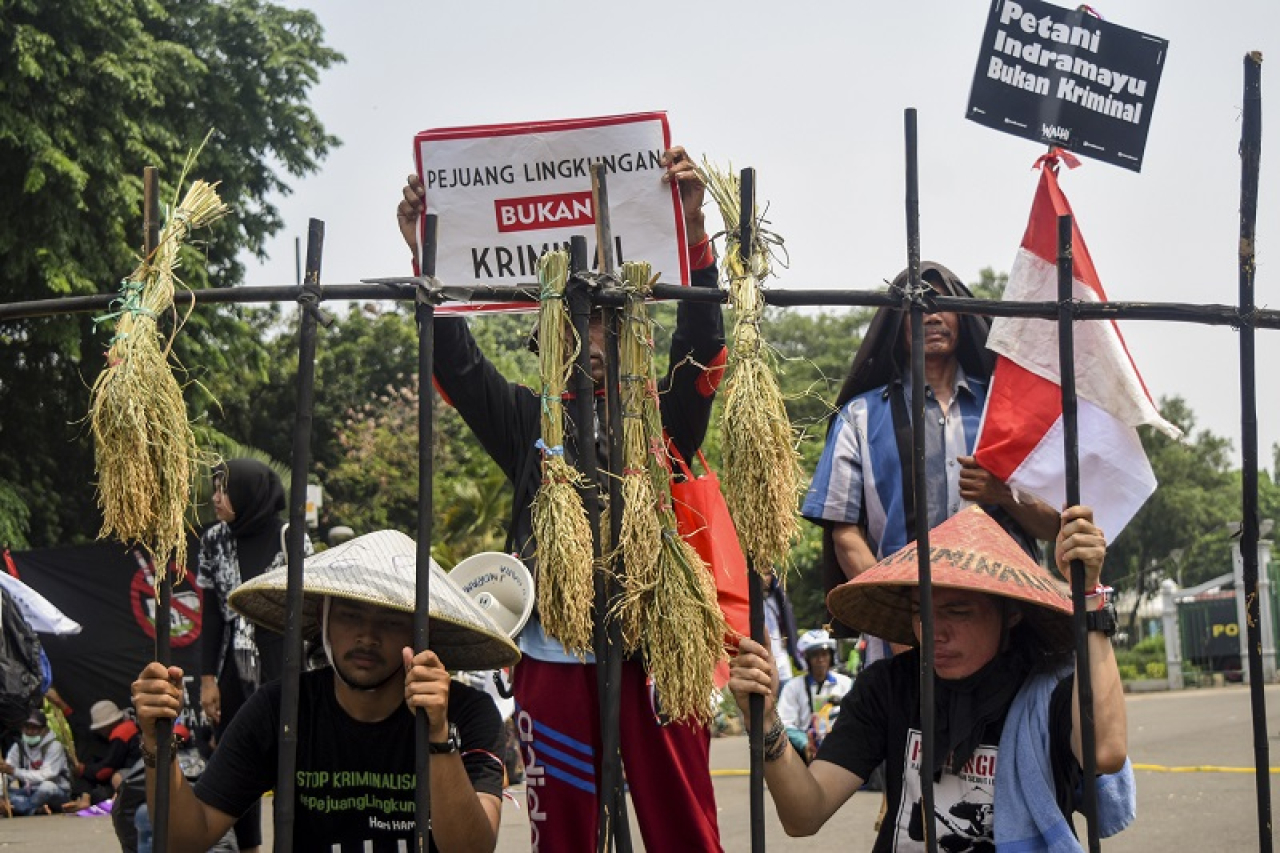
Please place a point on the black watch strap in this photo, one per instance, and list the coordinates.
(1102, 620)
(451, 745)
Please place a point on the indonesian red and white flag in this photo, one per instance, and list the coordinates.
(1021, 438)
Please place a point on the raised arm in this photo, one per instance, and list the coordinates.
(490, 405)
(804, 796)
(463, 820)
(193, 825)
(1080, 539)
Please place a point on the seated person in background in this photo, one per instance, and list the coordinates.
(809, 703)
(119, 734)
(1004, 686)
(38, 766)
(355, 760)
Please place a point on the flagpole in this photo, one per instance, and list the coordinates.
(915, 295)
(1250, 155)
(1071, 442)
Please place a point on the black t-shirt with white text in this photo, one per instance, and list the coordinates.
(355, 781)
(880, 722)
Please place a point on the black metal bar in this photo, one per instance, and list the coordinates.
(920, 483)
(578, 299)
(424, 313)
(309, 298)
(755, 597)
(608, 589)
(164, 590)
(1250, 157)
(1071, 451)
(404, 289)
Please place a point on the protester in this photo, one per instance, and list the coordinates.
(115, 746)
(862, 492)
(1004, 686)
(236, 658)
(355, 778)
(808, 704)
(666, 765)
(780, 622)
(39, 765)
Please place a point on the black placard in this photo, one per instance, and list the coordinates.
(1067, 78)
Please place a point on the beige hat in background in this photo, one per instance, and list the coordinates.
(104, 714)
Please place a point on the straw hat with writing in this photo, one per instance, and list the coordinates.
(967, 551)
(380, 568)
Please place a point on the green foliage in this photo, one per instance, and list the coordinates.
(1181, 526)
(93, 91)
(365, 428)
(1153, 645)
(14, 518)
(990, 284)
(1143, 659)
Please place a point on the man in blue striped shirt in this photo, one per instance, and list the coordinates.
(862, 489)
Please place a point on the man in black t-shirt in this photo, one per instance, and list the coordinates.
(355, 783)
(1002, 676)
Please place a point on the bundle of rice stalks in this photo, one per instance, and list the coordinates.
(668, 609)
(641, 539)
(560, 527)
(145, 452)
(761, 464)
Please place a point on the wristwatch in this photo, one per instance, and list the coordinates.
(452, 743)
(1102, 620)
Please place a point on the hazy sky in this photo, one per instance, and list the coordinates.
(812, 94)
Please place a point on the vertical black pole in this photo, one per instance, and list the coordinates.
(424, 313)
(919, 483)
(1250, 156)
(755, 591)
(1071, 452)
(609, 662)
(164, 592)
(309, 310)
(582, 385)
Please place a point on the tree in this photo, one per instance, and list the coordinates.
(990, 284)
(93, 91)
(1196, 496)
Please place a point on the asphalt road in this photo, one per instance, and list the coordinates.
(1210, 808)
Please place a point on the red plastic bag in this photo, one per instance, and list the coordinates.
(702, 517)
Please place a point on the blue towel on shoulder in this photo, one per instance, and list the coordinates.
(1027, 818)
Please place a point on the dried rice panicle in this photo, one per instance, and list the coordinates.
(669, 608)
(565, 557)
(641, 539)
(145, 452)
(762, 476)
(685, 632)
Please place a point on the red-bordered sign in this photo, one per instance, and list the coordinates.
(505, 193)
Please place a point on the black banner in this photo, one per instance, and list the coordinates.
(1067, 78)
(107, 588)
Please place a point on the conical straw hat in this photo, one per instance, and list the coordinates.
(967, 551)
(379, 568)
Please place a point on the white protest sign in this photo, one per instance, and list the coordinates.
(504, 194)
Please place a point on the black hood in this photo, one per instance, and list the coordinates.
(881, 360)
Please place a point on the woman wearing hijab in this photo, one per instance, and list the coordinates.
(236, 656)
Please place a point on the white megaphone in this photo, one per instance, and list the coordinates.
(500, 585)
